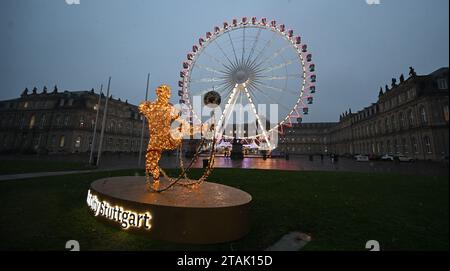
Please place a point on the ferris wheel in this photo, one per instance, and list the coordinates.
(256, 66)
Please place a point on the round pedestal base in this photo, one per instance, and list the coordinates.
(210, 213)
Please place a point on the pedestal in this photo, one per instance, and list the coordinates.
(210, 213)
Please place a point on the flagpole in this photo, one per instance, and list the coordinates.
(103, 124)
(95, 125)
(143, 124)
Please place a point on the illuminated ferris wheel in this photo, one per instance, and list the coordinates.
(253, 65)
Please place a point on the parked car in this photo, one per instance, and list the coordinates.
(404, 158)
(362, 158)
(387, 157)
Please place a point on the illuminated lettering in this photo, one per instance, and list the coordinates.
(126, 218)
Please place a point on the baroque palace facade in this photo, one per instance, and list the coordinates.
(410, 118)
(63, 122)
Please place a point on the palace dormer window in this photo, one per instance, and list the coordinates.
(442, 83)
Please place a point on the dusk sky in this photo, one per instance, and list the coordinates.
(356, 47)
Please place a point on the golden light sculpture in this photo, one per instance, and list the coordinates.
(205, 210)
(160, 115)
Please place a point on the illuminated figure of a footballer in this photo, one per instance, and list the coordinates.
(160, 114)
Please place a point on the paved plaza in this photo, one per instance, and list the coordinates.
(294, 163)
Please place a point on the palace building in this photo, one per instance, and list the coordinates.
(63, 122)
(410, 118)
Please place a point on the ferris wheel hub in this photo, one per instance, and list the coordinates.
(240, 76)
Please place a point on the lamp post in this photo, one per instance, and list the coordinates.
(95, 125)
(102, 133)
(143, 125)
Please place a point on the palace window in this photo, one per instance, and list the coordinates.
(427, 143)
(415, 149)
(78, 142)
(401, 120)
(58, 120)
(410, 118)
(62, 142)
(111, 126)
(404, 146)
(423, 115)
(53, 141)
(393, 124)
(43, 121)
(82, 122)
(411, 93)
(66, 120)
(32, 122)
(442, 84)
(445, 111)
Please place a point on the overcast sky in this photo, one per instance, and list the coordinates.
(356, 47)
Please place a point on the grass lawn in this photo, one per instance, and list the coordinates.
(27, 166)
(340, 210)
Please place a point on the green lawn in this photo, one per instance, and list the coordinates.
(340, 210)
(27, 166)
